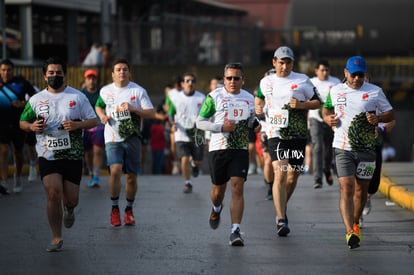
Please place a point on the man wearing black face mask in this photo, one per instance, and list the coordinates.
(58, 115)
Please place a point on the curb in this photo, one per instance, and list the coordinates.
(396, 193)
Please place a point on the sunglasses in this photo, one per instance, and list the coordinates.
(189, 81)
(230, 78)
(358, 74)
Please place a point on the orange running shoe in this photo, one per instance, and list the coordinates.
(357, 230)
(129, 217)
(115, 217)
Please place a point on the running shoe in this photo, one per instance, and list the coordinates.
(188, 188)
(357, 230)
(252, 169)
(55, 247)
(3, 189)
(68, 217)
(236, 239)
(328, 177)
(93, 182)
(282, 227)
(367, 207)
(317, 184)
(269, 195)
(215, 218)
(115, 217)
(129, 217)
(32, 173)
(195, 171)
(17, 185)
(352, 240)
(176, 168)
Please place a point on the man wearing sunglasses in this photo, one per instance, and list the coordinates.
(228, 112)
(352, 109)
(183, 111)
(283, 100)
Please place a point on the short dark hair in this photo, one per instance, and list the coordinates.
(188, 74)
(322, 62)
(7, 62)
(119, 61)
(54, 60)
(238, 66)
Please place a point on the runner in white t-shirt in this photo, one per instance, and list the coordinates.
(57, 115)
(228, 112)
(121, 106)
(183, 110)
(321, 134)
(353, 109)
(286, 96)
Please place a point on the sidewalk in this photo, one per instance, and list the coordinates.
(397, 183)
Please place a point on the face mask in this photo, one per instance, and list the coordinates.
(55, 81)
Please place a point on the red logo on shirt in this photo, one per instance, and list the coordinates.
(133, 98)
(294, 86)
(72, 104)
(365, 96)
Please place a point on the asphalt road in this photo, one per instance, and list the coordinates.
(172, 235)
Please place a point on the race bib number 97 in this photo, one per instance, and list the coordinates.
(238, 111)
(58, 141)
(365, 170)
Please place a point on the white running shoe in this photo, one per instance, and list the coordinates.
(17, 185)
(32, 173)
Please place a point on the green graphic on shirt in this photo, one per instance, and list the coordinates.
(239, 139)
(361, 134)
(195, 135)
(76, 150)
(298, 126)
(130, 127)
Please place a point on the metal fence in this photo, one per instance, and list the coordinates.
(178, 40)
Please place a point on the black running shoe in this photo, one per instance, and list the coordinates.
(3, 190)
(195, 171)
(236, 239)
(215, 218)
(282, 228)
(188, 188)
(328, 177)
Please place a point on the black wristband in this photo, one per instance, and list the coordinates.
(379, 118)
(260, 117)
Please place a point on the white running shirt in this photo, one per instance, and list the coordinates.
(347, 103)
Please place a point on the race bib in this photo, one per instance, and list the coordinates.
(187, 122)
(119, 113)
(58, 141)
(365, 170)
(279, 118)
(238, 110)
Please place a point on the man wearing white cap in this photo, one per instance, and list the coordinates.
(353, 109)
(286, 96)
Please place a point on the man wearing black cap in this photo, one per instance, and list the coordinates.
(353, 109)
(284, 99)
